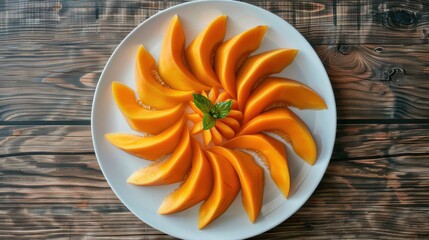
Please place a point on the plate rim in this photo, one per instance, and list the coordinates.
(310, 192)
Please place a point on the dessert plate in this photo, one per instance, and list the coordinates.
(117, 165)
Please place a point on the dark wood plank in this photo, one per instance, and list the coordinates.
(377, 182)
(372, 141)
(378, 81)
(52, 53)
(355, 21)
(27, 140)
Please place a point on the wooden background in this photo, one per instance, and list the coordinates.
(52, 53)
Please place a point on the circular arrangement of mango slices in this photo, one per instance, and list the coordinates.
(215, 170)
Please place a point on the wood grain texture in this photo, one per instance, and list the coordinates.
(377, 181)
(52, 53)
(27, 140)
(378, 81)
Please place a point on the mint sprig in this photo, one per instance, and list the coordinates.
(211, 111)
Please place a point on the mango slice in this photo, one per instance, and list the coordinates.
(196, 188)
(216, 136)
(231, 53)
(207, 137)
(168, 171)
(258, 67)
(286, 91)
(225, 188)
(251, 177)
(141, 119)
(273, 154)
(171, 65)
(150, 148)
(285, 121)
(149, 88)
(201, 51)
(236, 115)
(213, 94)
(231, 122)
(224, 130)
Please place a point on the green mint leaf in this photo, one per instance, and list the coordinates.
(222, 109)
(202, 103)
(208, 121)
(214, 112)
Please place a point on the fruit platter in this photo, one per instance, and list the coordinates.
(213, 120)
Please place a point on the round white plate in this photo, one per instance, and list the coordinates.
(117, 165)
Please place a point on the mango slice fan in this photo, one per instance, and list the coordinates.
(214, 164)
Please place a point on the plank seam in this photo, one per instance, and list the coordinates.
(383, 121)
(381, 156)
(50, 123)
(46, 153)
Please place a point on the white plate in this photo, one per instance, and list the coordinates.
(233, 224)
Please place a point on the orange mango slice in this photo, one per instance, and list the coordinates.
(197, 128)
(231, 53)
(224, 129)
(259, 66)
(213, 94)
(201, 51)
(286, 91)
(273, 154)
(251, 177)
(139, 118)
(216, 136)
(285, 121)
(150, 148)
(225, 188)
(168, 171)
(235, 114)
(149, 88)
(207, 137)
(231, 122)
(171, 65)
(196, 188)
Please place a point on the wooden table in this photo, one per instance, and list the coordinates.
(376, 54)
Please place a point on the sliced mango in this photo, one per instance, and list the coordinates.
(231, 53)
(225, 188)
(231, 122)
(141, 119)
(213, 94)
(194, 117)
(223, 96)
(196, 188)
(259, 66)
(251, 177)
(273, 154)
(286, 91)
(201, 51)
(224, 129)
(207, 137)
(197, 128)
(171, 64)
(216, 136)
(168, 171)
(150, 148)
(285, 121)
(149, 88)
